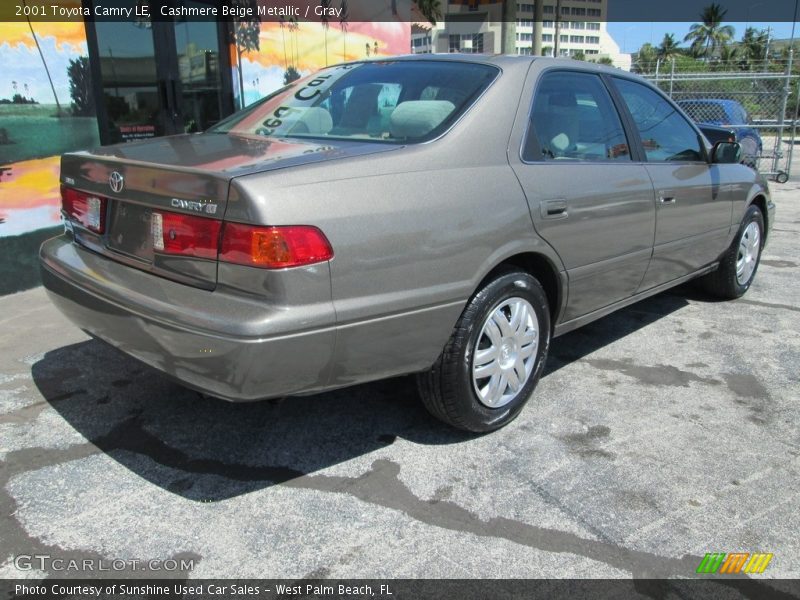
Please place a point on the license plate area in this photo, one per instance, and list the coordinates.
(130, 230)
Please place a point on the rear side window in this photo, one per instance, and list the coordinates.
(391, 101)
(573, 118)
(666, 135)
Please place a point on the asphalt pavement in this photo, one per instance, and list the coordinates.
(658, 434)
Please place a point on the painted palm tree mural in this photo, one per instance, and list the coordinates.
(44, 62)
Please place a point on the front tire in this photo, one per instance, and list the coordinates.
(494, 358)
(738, 266)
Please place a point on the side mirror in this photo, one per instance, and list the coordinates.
(726, 153)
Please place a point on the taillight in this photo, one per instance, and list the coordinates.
(273, 247)
(185, 235)
(87, 209)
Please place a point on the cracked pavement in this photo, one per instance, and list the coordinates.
(657, 434)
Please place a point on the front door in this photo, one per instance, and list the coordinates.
(693, 201)
(154, 78)
(591, 202)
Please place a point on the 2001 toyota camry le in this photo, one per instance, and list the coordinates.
(445, 216)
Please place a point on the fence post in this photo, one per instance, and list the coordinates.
(672, 78)
(782, 118)
(794, 130)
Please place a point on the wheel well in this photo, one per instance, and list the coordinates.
(761, 203)
(544, 271)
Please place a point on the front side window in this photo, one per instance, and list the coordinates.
(573, 118)
(391, 101)
(665, 134)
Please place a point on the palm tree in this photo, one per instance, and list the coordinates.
(430, 9)
(646, 58)
(754, 46)
(711, 34)
(668, 48)
(44, 62)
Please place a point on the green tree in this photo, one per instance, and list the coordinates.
(579, 55)
(668, 49)
(710, 34)
(605, 60)
(80, 87)
(646, 59)
(430, 9)
(754, 47)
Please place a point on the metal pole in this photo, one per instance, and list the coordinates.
(786, 92)
(672, 78)
(794, 131)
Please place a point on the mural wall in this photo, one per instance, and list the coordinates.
(287, 51)
(47, 106)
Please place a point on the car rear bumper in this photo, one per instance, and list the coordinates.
(228, 345)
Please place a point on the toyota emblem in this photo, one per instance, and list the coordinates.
(116, 181)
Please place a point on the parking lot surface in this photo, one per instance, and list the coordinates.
(657, 434)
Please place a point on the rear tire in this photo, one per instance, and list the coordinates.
(738, 266)
(494, 358)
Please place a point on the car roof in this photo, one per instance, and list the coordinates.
(500, 60)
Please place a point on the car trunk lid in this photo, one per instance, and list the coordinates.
(177, 187)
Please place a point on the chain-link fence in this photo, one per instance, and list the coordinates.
(761, 108)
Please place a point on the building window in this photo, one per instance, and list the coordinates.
(525, 37)
(470, 43)
(593, 12)
(576, 39)
(563, 39)
(592, 39)
(578, 11)
(547, 24)
(524, 23)
(591, 52)
(593, 26)
(527, 8)
(578, 25)
(526, 51)
(549, 10)
(547, 37)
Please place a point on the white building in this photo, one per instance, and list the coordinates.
(581, 28)
(477, 26)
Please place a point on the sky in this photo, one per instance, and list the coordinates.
(631, 36)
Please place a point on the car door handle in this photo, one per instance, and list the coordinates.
(667, 199)
(554, 209)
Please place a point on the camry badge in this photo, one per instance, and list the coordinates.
(116, 181)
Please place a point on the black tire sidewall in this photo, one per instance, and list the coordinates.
(753, 214)
(476, 415)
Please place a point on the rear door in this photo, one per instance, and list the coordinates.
(588, 197)
(693, 201)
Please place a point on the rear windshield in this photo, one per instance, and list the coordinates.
(392, 101)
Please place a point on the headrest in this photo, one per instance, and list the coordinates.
(314, 120)
(562, 100)
(417, 118)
